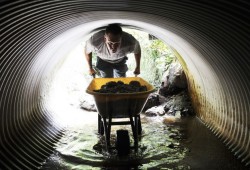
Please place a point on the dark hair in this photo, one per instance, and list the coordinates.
(114, 29)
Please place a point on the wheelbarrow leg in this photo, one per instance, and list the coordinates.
(107, 134)
(139, 125)
(109, 127)
(136, 134)
(100, 125)
(134, 126)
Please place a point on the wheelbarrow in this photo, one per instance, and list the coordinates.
(116, 106)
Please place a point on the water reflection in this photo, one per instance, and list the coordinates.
(83, 148)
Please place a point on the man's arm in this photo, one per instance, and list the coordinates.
(89, 62)
(138, 62)
(137, 53)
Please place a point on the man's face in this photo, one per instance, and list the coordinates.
(113, 42)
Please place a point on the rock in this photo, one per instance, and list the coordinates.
(171, 145)
(170, 112)
(174, 80)
(150, 114)
(153, 100)
(88, 106)
(169, 119)
(186, 112)
(154, 111)
(166, 108)
(178, 103)
(178, 114)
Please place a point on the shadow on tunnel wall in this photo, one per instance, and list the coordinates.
(218, 79)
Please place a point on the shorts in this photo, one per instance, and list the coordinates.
(110, 70)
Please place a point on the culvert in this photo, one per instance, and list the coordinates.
(211, 38)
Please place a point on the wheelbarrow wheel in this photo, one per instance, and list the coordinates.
(122, 142)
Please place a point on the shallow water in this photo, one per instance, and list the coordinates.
(171, 144)
(83, 148)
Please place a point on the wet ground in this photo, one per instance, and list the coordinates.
(165, 143)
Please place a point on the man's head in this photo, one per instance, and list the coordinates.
(112, 37)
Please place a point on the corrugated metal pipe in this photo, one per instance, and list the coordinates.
(210, 37)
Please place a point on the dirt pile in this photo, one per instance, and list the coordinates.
(121, 87)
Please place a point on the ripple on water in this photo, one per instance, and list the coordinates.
(82, 148)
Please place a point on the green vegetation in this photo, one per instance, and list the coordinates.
(156, 57)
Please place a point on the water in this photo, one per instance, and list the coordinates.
(83, 148)
(165, 143)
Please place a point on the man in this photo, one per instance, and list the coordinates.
(112, 46)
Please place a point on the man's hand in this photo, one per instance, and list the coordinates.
(92, 72)
(137, 61)
(137, 71)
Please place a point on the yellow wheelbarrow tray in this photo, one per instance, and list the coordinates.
(119, 104)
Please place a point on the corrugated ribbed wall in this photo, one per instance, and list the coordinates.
(212, 38)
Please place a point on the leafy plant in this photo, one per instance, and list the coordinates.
(156, 57)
